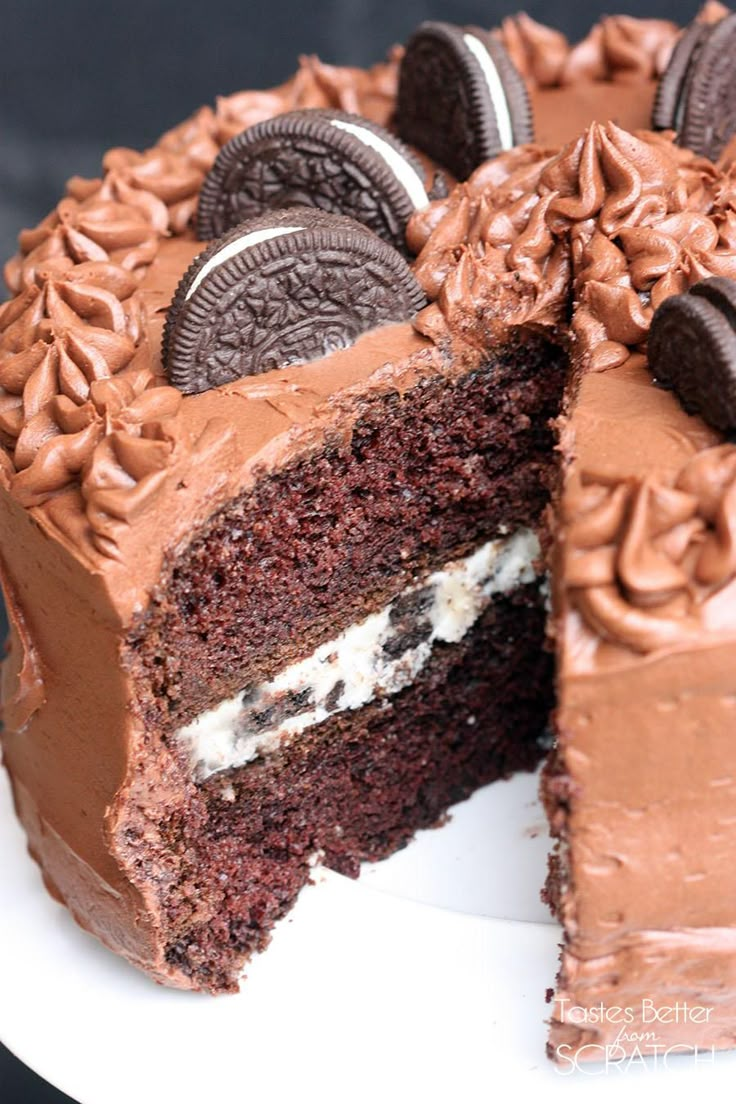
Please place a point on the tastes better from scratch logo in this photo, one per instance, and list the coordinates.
(637, 1041)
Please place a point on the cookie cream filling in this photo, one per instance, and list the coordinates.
(402, 169)
(495, 90)
(233, 248)
(378, 656)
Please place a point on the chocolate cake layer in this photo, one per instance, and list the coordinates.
(355, 787)
(423, 478)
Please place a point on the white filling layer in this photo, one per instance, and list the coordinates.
(404, 172)
(234, 248)
(495, 90)
(380, 655)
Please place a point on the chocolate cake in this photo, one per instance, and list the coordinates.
(277, 578)
(262, 616)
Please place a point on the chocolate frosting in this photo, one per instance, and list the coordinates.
(650, 563)
(639, 791)
(25, 676)
(619, 48)
(82, 412)
(635, 217)
(627, 220)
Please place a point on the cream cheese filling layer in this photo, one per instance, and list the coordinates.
(404, 172)
(495, 90)
(233, 248)
(378, 656)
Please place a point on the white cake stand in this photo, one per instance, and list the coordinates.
(424, 981)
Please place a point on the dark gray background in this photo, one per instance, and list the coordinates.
(80, 76)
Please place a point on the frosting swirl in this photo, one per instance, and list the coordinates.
(636, 217)
(367, 92)
(127, 463)
(487, 255)
(79, 324)
(619, 48)
(649, 563)
(79, 403)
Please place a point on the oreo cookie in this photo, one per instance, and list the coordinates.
(692, 349)
(696, 96)
(315, 158)
(461, 99)
(288, 287)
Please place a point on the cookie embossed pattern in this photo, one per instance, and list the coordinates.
(327, 159)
